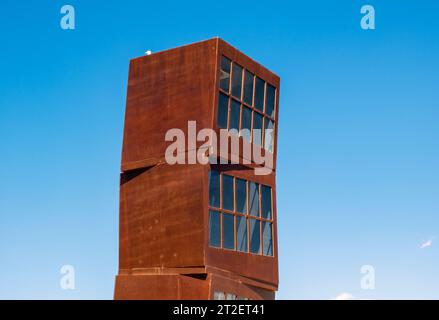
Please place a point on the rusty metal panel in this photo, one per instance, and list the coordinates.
(161, 218)
(161, 287)
(165, 91)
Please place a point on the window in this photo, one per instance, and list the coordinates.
(267, 234)
(254, 199)
(269, 135)
(228, 191)
(266, 202)
(223, 110)
(221, 295)
(255, 236)
(248, 88)
(225, 74)
(236, 81)
(246, 123)
(241, 196)
(234, 115)
(243, 221)
(228, 231)
(257, 128)
(269, 100)
(241, 233)
(214, 228)
(214, 189)
(259, 94)
(230, 296)
(246, 103)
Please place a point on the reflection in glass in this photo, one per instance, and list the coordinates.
(228, 231)
(225, 74)
(228, 190)
(269, 135)
(248, 87)
(266, 202)
(257, 129)
(218, 295)
(254, 199)
(241, 233)
(259, 94)
(269, 100)
(223, 102)
(241, 196)
(214, 189)
(230, 296)
(234, 115)
(236, 81)
(246, 124)
(267, 238)
(255, 237)
(214, 229)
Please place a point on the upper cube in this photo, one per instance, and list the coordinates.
(208, 82)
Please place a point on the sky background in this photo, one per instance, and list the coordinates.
(358, 149)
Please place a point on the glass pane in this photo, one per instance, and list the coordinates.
(257, 128)
(218, 295)
(259, 94)
(236, 81)
(223, 102)
(234, 115)
(230, 296)
(269, 100)
(214, 189)
(266, 202)
(246, 124)
(248, 87)
(214, 229)
(225, 74)
(267, 238)
(269, 135)
(254, 199)
(228, 231)
(241, 233)
(255, 239)
(241, 196)
(228, 186)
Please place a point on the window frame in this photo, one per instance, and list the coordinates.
(247, 215)
(265, 117)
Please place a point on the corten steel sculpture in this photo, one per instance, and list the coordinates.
(197, 231)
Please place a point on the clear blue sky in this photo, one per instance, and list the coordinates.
(357, 180)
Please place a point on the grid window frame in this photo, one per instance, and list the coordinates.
(247, 216)
(243, 104)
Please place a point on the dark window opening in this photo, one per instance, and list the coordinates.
(248, 88)
(223, 110)
(225, 74)
(236, 80)
(259, 94)
(214, 229)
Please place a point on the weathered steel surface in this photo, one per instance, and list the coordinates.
(163, 229)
